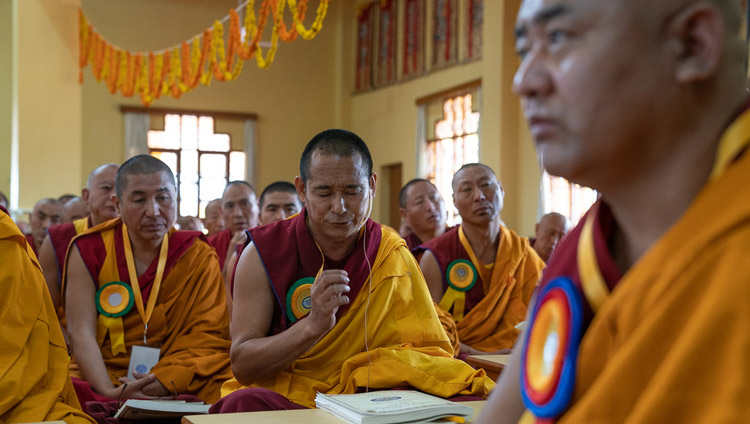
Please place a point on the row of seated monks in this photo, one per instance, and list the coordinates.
(640, 316)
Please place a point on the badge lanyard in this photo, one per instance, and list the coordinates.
(145, 315)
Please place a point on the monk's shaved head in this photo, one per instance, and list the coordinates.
(468, 166)
(140, 165)
(335, 142)
(98, 171)
(76, 208)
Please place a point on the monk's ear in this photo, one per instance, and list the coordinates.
(402, 213)
(697, 33)
(85, 195)
(373, 183)
(116, 202)
(300, 186)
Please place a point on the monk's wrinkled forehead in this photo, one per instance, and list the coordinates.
(333, 169)
(472, 173)
(105, 173)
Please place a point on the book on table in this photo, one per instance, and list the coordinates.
(135, 409)
(391, 406)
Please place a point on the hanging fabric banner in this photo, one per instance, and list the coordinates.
(198, 60)
(365, 29)
(414, 16)
(385, 71)
(444, 36)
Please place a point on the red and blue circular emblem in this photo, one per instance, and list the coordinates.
(549, 357)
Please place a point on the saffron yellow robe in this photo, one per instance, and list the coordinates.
(189, 321)
(671, 343)
(34, 381)
(408, 345)
(490, 324)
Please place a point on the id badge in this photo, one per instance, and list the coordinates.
(142, 359)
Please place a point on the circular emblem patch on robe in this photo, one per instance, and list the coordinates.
(114, 299)
(549, 358)
(461, 275)
(298, 300)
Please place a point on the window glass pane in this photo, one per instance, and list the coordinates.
(212, 188)
(171, 134)
(237, 166)
(188, 199)
(216, 143)
(169, 158)
(202, 209)
(189, 166)
(205, 130)
(571, 200)
(213, 165)
(189, 138)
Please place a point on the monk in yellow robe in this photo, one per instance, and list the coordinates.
(134, 283)
(34, 380)
(481, 272)
(97, 195)
(328, 301)
(642, 315)
(422, 210)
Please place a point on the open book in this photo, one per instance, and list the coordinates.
(391, 406)
(134, 409)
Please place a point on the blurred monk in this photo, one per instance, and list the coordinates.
(304, 286)
(189, 223)
(481, 272)
(547, 233)
(46, 213)
(100, 187)
(75, 209)
(34, 380)
(133, 284)
(239, 206)
(214, 220)
(278, 201)
(642, 315)
(422, 209)
(3, 200)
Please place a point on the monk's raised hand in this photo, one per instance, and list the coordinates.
(327, 294)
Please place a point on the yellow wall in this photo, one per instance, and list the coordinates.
(294, 99)
(7, 100)
(49, 100)
(308, 88)
(386, 118)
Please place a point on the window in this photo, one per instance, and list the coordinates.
(201, 159)
(455, 143)
(570, 199)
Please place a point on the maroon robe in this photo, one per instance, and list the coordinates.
(30, 239)
(60, 237)
(220, 242)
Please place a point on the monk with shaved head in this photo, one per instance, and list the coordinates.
(642, 315)
(145, 303)
(75, 209)
(46, 213)
(97, 198)
(214, 220)
(547, 233)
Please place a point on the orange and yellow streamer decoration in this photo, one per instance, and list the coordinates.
(207, 56)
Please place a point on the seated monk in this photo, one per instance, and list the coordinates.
(214, 220)
(34, 381)
(151, 286)
(278, 201)
(547, 233)
(329, 302)
(189, 223)
(649, 294)
(422, 210)
(75, 209)
(100, 187)
(46, 213)
(481, 272)
(239, 206)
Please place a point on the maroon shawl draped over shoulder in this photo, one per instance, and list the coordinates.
(289, 253)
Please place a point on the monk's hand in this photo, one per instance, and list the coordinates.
(155, 388)
(328, 293)
(132, 387)
(237, 239)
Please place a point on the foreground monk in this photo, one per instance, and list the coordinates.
(547, 233)
(291, 339)
(34, 378)
(278, 201)
(239, 206)
(422, 209)
(100, 187)
(657, 121)
(145, 272)
(46, 213)
(481, 272)
(214, 220)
